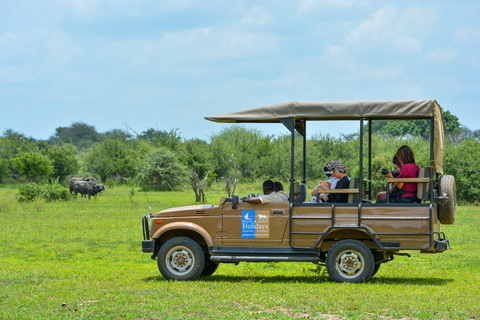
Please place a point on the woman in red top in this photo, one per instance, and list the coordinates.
(408, 169)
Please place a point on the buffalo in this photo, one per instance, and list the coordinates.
(73, 180)
(86, 187)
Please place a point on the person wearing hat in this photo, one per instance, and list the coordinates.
(339, 170)
(329, 184)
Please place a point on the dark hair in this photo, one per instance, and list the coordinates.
(395, 160)
(405, 155)
(268, 185)
(278, 186)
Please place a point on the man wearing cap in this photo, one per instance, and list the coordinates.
(329, 184)
(339, 170)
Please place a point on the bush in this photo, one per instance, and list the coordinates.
(48, 192)
(160, 170)
(28, 192)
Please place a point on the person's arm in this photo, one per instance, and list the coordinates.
(254, 200)
(398, 184)
(321, 185)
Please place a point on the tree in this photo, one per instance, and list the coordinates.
(160, 170)
(162, 138)
(116, 134)
(415, 127)
(63, 159)
(111, 159)
(197, 185)
(79, 134)
(33, 165)
(196, 154)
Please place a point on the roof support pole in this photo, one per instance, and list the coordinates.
(360, 185)
(304, 176)
(289, 123)
(370, 158)
(432, 157)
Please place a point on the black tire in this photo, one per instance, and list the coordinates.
(350, 261)
(446, 212)
(376, 268)
(210, 269)
(181, 259)
(377, 256)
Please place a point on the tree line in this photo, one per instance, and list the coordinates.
(164, 160)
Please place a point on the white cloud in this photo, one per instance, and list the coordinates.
(467, 35)
(442, 55)
(258, 16)
(309, 5)
(402, 29)
(406, 43)
(378, 27)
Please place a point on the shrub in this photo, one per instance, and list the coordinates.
(48, 192)
(160, 170)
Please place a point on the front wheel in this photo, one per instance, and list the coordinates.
(181, 259)
(210, 269)
(350, 261)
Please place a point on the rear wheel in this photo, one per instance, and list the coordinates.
(350, 261)
(181, 259)
(446, 212)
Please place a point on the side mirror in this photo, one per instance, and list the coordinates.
(234, 201)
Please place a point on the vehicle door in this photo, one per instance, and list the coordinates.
(259, 225)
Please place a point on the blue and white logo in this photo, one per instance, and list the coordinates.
(248, 224)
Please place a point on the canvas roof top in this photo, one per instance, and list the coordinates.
(346, 110)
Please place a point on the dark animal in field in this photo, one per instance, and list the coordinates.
(73, 180)
(90, 188)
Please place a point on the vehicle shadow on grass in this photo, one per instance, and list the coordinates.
(315, 279)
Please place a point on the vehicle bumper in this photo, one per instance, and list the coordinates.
(147, 244)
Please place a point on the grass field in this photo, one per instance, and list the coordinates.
(82, 260)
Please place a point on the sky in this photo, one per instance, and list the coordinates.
(118, 64)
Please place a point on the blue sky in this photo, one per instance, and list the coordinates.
(167, 64)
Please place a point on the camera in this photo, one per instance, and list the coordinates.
(394, 173)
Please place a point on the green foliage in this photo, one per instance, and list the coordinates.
(4, 169)
(63, 159)
(48, 192)
(160, 170)
(79, 134)
(162, 138)
(463, 162)
(196, 154)
(33, 166)
(111, 159)
(415, 127)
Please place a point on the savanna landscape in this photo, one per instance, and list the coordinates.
(65, 257)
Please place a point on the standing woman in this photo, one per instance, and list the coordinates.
(408, 169)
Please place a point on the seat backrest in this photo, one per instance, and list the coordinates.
(353, 197)
(423, 188)
(303, 193)
(296, 192)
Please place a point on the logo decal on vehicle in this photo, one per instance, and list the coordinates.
(255, 224)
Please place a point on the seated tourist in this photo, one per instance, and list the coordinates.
(269, 194)
(339, 170)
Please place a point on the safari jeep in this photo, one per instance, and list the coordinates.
(351, 239)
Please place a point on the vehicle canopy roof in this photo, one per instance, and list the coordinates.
(347, 110)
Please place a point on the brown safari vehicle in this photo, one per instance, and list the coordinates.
(351, 239)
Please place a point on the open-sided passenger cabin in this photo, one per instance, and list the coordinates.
(320, 224)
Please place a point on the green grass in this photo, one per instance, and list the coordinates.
(82, 260)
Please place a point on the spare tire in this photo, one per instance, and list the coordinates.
(446, 211)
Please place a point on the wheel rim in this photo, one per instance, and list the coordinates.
(349, 264)
(180, 260)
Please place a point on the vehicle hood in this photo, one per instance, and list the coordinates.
(186, 211)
